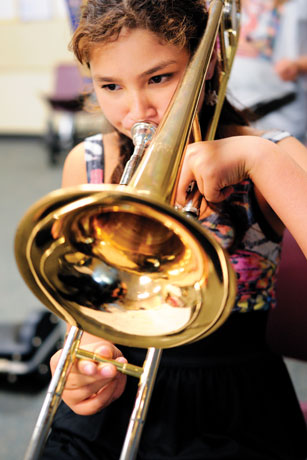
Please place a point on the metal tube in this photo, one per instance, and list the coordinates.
(138, 416)
(142, 133)
(124, 368)
(53, 396)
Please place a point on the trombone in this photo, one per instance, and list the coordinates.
(120, 262)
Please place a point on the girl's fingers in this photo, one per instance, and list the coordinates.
(103, 374)
(88, 379)
(84, 372)
(105, 370)
(192, 169)
(97, 401)
(93, 397)
(86, 366)
(89, 367)
(76, 395)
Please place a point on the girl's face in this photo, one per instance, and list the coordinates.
(135, 77)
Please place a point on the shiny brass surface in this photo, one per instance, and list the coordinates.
(228, 37)
(124, 266)
(119, 262)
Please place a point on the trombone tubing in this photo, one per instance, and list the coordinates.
(138, 416)
(53, 396)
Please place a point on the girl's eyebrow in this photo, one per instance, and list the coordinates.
(152, 70)
(157, 68)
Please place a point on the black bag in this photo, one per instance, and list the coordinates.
(26, 349)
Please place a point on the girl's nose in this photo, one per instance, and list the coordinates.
(140, 108)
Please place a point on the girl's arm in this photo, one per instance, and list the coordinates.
(278, 172)
(282, 180)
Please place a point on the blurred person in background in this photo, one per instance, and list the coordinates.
(269, 75)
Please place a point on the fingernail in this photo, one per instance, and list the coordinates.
(104, 351)
(107, 371)
(89, 369)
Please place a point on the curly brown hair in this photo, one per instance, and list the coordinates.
(179, 22)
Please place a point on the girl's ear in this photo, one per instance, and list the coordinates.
(212, 65)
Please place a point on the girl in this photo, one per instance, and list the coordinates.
(226, 396)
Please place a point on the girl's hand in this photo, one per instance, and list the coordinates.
(90, 386)
(217, 166)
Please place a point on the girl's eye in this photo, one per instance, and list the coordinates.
(111, 87)
(159, 78)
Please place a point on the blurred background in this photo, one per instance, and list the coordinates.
(41, 118)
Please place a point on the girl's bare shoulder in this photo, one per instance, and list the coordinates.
(111, 154)
(74, 171)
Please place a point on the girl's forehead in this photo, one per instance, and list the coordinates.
(134, 42)
(130, 37)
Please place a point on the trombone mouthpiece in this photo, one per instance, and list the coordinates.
(142, 133)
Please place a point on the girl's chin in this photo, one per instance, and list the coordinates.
(124, 132)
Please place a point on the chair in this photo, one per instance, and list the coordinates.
(65, 102)
(287, 325)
